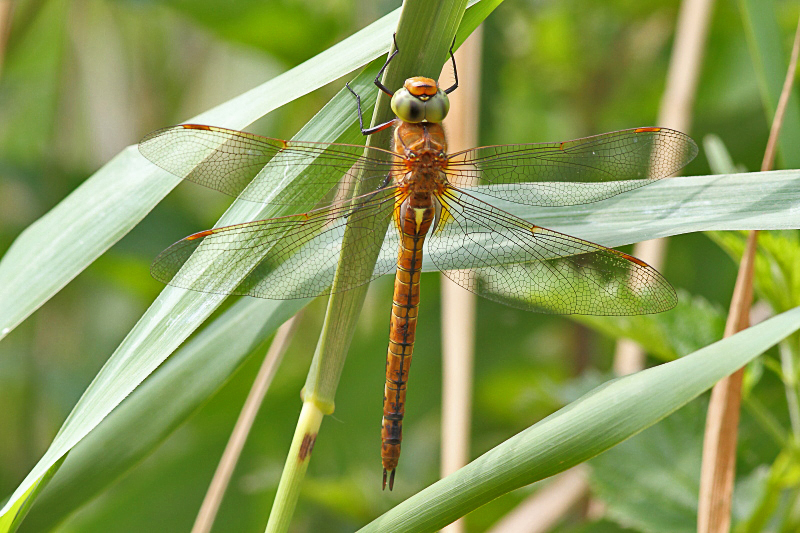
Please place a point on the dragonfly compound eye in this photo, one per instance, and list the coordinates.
(437, 107)
(408, 107)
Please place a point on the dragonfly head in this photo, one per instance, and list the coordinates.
(420, 100)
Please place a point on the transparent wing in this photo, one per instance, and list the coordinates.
(536, 269)
(288, 257)
(228, 160)
(575, 172)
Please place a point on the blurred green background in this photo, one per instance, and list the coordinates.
(81, 80)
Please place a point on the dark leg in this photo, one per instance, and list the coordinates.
(378, 83)
(369, 198)
(386, 181)
(455, 72)
(374, 129)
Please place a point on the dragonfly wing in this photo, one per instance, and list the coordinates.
(574, 172)
(229, 160)
(522, 265)
(288, 257)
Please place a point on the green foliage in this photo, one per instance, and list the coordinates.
(692, 324)
(662, 464)
(601, 419)
(777, 268)
(552, 71)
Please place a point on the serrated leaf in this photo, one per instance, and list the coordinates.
(692, 324)
(651, 482)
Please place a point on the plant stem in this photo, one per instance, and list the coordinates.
(458, 304)
(675, 112)
(788, 355)
(766, 420)
(722, 423)
(222, 476)
(305, 434)
(424, 34)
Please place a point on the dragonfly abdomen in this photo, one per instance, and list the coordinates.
(414, 225)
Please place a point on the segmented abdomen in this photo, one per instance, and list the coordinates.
(414, 224)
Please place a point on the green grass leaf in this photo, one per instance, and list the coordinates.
(770, 63)
(87, 227)
(693, 204)
(57, 247)
(739, 201)
(608, 415)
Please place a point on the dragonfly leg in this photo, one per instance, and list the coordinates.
(383, 185)
(455, 71)
(377, 82)
(385, 181)
(367, 131)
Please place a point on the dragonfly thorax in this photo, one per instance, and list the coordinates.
(423, 149)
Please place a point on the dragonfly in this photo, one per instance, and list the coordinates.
(412, 208)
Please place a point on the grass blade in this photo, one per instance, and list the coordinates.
(769, 60)
(63, 242)
(176, 313)
(666, 208)
(585, 428)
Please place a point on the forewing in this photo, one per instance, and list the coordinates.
(574, 172)
(536, 269)
(229, 160)
(287, 257)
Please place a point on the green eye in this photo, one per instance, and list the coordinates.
(407, 107)
(437, 107)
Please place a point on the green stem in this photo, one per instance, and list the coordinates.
(295, 468)
(766, 420)
(788, 357)
(781, 468)
(424, 34)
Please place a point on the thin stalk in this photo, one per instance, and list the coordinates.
(6, 12)
(676, 112)
(424, 34)
(788, 358)
(768, 422)
(722, 422)
(458, 304)
(222, 476)
(305, 435)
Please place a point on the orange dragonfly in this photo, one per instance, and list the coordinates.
(411, 191)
